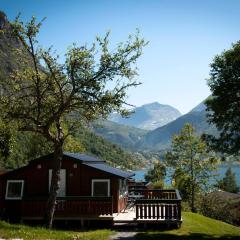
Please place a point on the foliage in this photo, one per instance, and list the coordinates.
(159, 185)
(14, 231)
(181, 182)
(123, 135)
(223, 106)
(111, 153)
(194, 227)
(192, 161)
(228, 183)
(217, 207)
(28, 146)
(157, 173)
(6, 142)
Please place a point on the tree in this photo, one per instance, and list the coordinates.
(191, 160)
(44, 95)
(157, 173)
(224, 104)
(181, 182)
(228, 183)
(6, 142)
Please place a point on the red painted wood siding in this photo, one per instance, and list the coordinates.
(78, 180)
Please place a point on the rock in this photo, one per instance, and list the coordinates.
(3, 21)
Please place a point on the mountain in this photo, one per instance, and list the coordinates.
(8, 46)
(124, 136)
(199, 108)
(149, 116)
(160, 138)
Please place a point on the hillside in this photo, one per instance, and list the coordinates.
(8, 47)
(108, 151)
(124, 136)
(160, 138)
(149, 116)
(195, 227)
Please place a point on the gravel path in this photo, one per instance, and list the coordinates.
(124, 236)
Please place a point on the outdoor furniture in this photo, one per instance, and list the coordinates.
(132, 198)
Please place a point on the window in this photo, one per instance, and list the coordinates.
(14, 189)
(101, 187)
(123, 187)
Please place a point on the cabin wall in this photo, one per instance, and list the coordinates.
(78, 181)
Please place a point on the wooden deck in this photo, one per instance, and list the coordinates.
(156, 206)
(127, 216)
(149, 206)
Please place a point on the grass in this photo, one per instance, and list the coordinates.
(195, 227)
(10, 231)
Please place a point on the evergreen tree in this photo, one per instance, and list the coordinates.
(157, 173)
(228, 183)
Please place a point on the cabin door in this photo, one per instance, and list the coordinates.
(62, 189)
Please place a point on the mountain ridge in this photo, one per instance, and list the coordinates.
(160, 138)
(148, 116)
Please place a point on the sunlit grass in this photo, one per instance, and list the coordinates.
(195, 227)
(25, 232)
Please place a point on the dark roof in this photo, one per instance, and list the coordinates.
(90, 161)
(106, 168)
(82, 157)
(98, 163)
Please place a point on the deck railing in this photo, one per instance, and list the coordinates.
(156, 193)
(158, 205)
(69, 207)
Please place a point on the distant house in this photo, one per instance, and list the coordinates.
(89, 189)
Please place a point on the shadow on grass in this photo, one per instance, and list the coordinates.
(193, 236)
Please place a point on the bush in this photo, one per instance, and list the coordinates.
(158, 185)
(227, 210)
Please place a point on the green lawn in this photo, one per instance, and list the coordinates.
(21, 231)
(195, 227)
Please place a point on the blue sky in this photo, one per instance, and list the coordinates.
(183, 36)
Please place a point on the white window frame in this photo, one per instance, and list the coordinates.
(100, 180)
(14, 198)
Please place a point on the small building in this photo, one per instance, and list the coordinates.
(89, 189)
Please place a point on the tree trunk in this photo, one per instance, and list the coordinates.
(55, 183)
(193, 199)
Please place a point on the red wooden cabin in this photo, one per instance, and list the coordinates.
(89, 189)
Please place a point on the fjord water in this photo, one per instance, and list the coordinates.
(218, 174)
